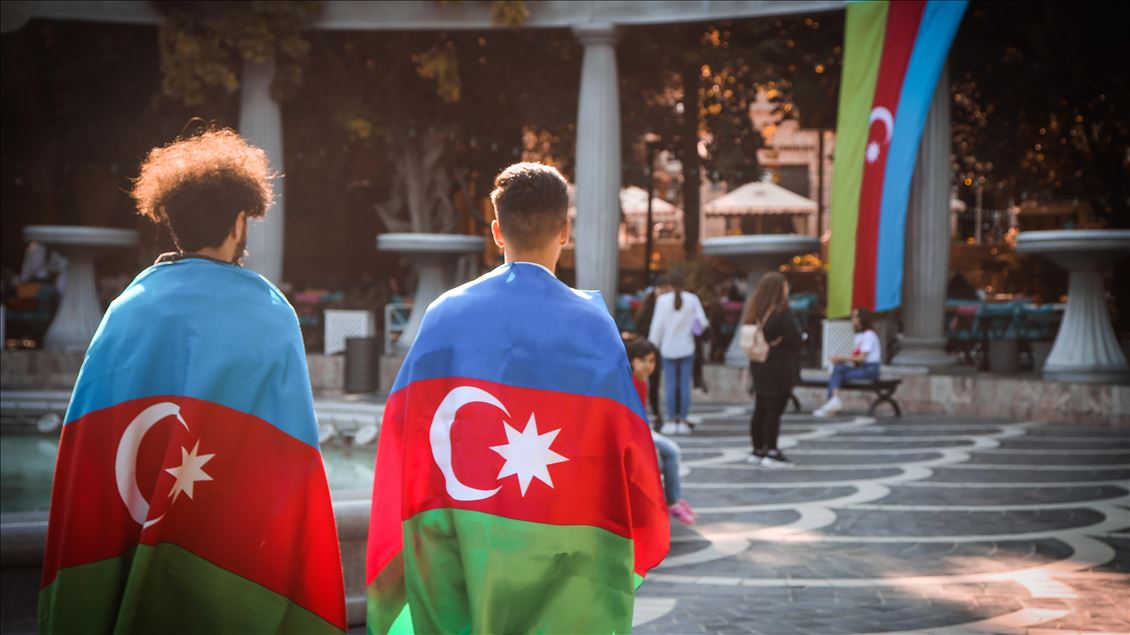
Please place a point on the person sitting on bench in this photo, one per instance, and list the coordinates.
(861, 365)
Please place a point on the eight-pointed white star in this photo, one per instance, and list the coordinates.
(872, 152)
(528, 455)
(189, 471)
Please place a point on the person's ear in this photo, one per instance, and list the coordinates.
(239, 229)
(563, 237)
(496, 233)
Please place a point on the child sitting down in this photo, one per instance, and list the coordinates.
(642, 354)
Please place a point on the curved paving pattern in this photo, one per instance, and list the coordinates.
(918, 525)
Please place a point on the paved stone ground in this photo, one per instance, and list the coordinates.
(924, 524)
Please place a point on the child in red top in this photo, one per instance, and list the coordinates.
(642, 355)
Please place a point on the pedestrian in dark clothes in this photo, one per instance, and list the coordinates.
(773, 379)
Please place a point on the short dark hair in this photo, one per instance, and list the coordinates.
(531, 203)
(640, 348)
(199, 184)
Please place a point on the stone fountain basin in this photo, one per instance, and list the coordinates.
(1069, 240)
(421, 243)
(63, 236)
(760, 245)
(1072, 248)
(762, 253)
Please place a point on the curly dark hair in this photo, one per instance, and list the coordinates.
(531, 202)
(199, 184)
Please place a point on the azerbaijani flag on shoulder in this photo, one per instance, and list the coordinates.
(516, 488)
(189, 492)
(893, 56)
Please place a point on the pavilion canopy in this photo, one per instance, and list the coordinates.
(761, 197)
(633, 202)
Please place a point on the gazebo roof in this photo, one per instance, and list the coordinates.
(633, 201)
(760, 197)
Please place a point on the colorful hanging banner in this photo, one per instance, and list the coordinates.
(893, 56)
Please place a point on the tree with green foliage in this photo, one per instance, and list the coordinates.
(439, 114)
(203, 44)
(722, 66)
(1042, 104)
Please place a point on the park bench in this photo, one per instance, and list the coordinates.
(883, 389)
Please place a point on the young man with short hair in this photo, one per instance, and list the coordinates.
(189, 492)
(516, 485)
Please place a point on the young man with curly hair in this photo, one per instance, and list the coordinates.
(189, 492)
(516, 486)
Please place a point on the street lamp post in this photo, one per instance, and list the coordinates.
(650, 142)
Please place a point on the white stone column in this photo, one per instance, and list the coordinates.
(260, 122)
(928, 242)
(598, 163)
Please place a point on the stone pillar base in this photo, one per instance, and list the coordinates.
(929, 352)
(1096, 375)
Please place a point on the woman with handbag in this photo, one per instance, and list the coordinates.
(772, 341)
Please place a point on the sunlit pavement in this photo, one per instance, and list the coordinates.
(924, 524)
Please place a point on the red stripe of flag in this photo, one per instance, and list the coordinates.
(265, 514)
(597, 486)
(902, 29)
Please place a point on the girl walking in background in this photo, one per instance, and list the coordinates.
(773, 379)
(672, 332)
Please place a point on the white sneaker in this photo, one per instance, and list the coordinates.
(776, 460)
(833, 406)
(668, 428)
(683, 428)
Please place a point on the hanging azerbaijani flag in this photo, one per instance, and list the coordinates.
(189, 492)
(893, 56)
(516, 486)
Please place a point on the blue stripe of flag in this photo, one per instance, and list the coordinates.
(521, 327)
(206, 330)
(935, 35)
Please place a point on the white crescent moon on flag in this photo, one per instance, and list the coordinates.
(882, 114)
(125, 463)
(440, 436)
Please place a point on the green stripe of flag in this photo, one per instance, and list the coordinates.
(166, 589)
(468, 571)
(864, 29)
(386, 609)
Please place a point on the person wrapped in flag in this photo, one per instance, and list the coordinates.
(189, 493)
(517, 488)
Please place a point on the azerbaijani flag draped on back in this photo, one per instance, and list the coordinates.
(893, 55)
(516, 488)
(189, 492)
